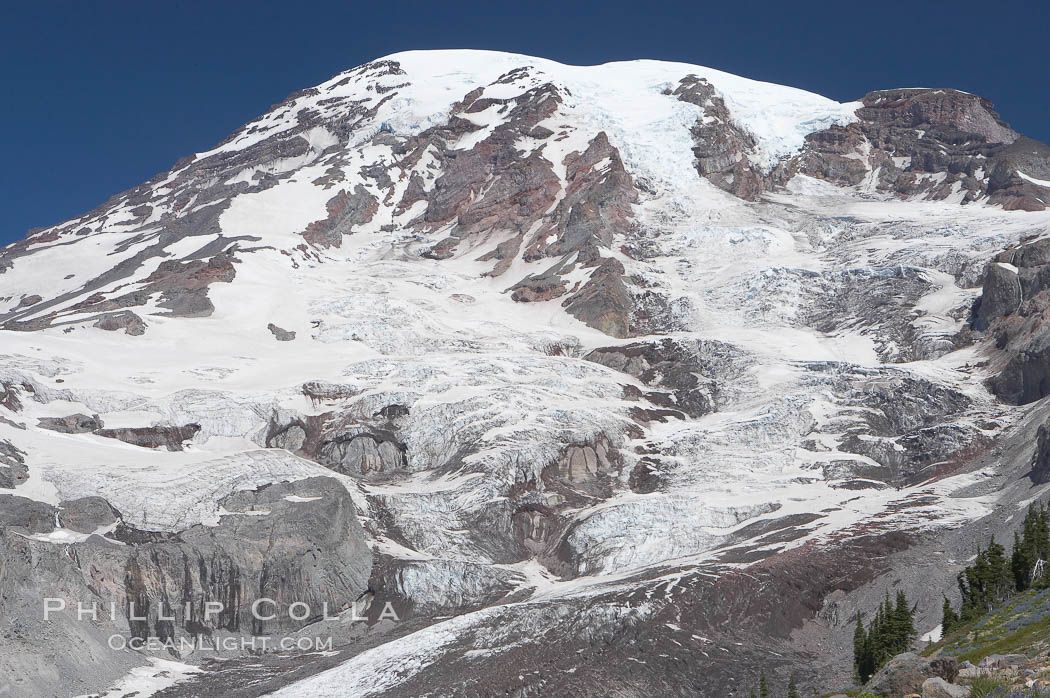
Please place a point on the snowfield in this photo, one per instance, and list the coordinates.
(821, 306)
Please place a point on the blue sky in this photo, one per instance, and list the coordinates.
(100, 96)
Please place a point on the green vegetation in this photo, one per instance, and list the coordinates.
(985, 686)
(993, 578)
(1020, 625)
(1005, 609)
(890, 632)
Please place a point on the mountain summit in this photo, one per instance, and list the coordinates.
(631, 379)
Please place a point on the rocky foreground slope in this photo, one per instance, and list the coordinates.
(608, 380)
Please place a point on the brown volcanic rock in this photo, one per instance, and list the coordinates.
(491, 189)
(488, 187)
(930, 143)
(185, 293)
(721, 147)
(1007, 188)
(926, 108)
(170, 437)
(9, 395)
(604, 302)
(831, 155)
(596, 209)
(13, 469)
(535, 289)
(594, 212)
(345, 212)
(182, 285)
(28, 301)
(193, 274)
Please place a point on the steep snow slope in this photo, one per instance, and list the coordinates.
(573, 340)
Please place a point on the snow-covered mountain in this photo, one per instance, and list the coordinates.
(609, 380)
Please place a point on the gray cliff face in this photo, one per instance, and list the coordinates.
(597, 382)
(1010, 309)
(289, 543)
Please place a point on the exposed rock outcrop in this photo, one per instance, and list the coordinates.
(364, 454)
(170, 437)
(1012, 308)
(13, 469)
(690, 378)
(937, 687)
(902, 676)
(288, 543)
(280, 334)
(1040, 473)
(87, 514)
(28, 301)
(9, 392)
(722, 148)
(346, 211)
(929, 143)
(125, 320)
(72, 424)
(1001, 295)
(488, 187)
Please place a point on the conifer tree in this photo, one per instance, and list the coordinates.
(1000, 582)
(792, 688)
(949, 619)
(993, 577)
(860, 650)
(890, 632)
(902, 627)
(1041, 524)
(1021, 560)
(979, 582)
(763, 686)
